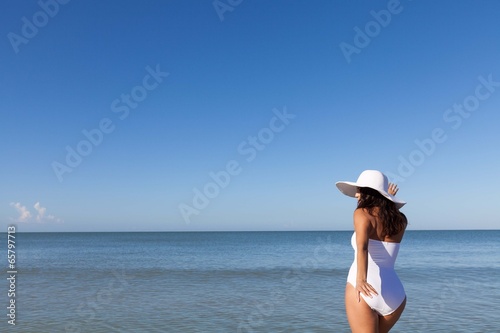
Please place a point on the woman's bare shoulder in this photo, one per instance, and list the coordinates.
(362, 219)
(361, 214)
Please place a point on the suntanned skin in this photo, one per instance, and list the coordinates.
(362, 319)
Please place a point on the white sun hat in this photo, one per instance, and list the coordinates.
(373, 179)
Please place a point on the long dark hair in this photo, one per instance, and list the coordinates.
(392, 219)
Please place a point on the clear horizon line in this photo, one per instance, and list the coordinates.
(207, 231)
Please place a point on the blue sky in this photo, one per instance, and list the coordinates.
(241, 115)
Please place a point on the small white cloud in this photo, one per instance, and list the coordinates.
(40, 210)
(24, 213)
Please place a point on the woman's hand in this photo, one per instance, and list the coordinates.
(393, 189)
(364, 287)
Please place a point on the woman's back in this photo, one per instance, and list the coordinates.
(378, 230)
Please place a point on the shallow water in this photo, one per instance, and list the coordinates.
(243, 282)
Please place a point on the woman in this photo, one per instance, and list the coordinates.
(374, 295)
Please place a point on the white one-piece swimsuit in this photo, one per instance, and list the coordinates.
(381, 275)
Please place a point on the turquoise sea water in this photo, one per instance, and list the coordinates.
(242, 282)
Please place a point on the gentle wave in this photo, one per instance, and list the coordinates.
(161, 272)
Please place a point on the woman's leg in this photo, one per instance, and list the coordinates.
(361, 317)
(385, 323)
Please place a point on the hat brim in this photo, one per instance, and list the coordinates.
(351, 188)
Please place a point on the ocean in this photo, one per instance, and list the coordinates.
(241, 282)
